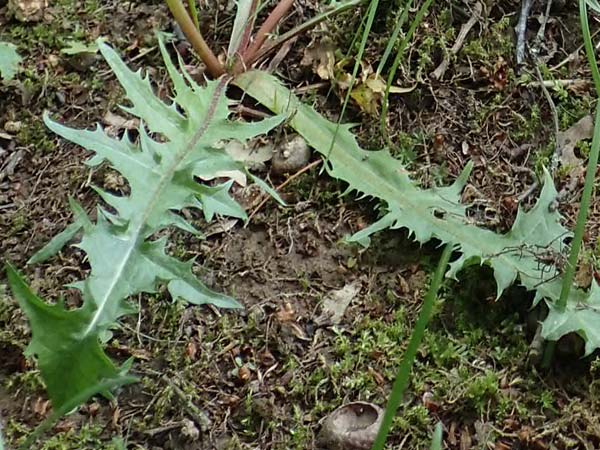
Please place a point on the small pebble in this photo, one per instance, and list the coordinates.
(12, 127)
(292, 156)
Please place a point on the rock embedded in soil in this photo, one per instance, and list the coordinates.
(27, 10)
(353, 426)
(290, 157)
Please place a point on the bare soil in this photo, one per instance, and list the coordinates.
(266, 376)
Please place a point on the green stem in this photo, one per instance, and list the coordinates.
(194, 13)
(215, 68)
(413, 26)
(591, 166)
(394, 37)
(588, 187)
(411, 351)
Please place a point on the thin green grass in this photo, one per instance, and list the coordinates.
(373, 5)
(590, 175)
(436, 442)
(366, 30)
(194, 13)
(398, 59)
(592, 162)
(411, 351)
(394, 37)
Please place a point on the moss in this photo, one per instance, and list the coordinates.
(496, 43)
(34, 134)
(54, 34)
(87, 436)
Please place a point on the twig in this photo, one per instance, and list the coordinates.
(528, 192)
(199, 416)
(247, 111)
(571, 56)
(280, 55)
(162, 429)
(284, 184)
(536, 347)
(559, 83)
(540, 34)
(557, 149)
(521, 29)
(438, 73)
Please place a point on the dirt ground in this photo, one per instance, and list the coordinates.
(266, 376)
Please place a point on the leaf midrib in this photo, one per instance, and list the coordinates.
(267, 92)
(165, 179)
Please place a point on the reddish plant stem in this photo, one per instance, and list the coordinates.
(267, 27)
(248, 30)
(214, 67)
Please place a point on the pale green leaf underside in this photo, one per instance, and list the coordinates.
(177, 143)
(438, 213)
(242, 19)
(9, 60)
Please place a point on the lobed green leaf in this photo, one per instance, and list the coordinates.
(521, 254)
(177, 144)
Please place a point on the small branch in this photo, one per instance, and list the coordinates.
(520, 29)
(530, 190)
(460, 39)
(199, 416)
(215, 68)
(572, 56)
(540, 34)
(557, 149)
(553, 84)
(267, 27)
(284, 184)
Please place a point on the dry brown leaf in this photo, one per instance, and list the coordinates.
(321, 56)
(370, 91)
(286, 313)
(335, 304)
(584, 274)
(117, 122)
(568, 139)
(466, 443)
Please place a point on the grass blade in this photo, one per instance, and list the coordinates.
(390, 80)
(363, 44)
(436, 442)
(590, 175)
(392, 42)
(194, 13)
(411, 351)
(591, 166)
